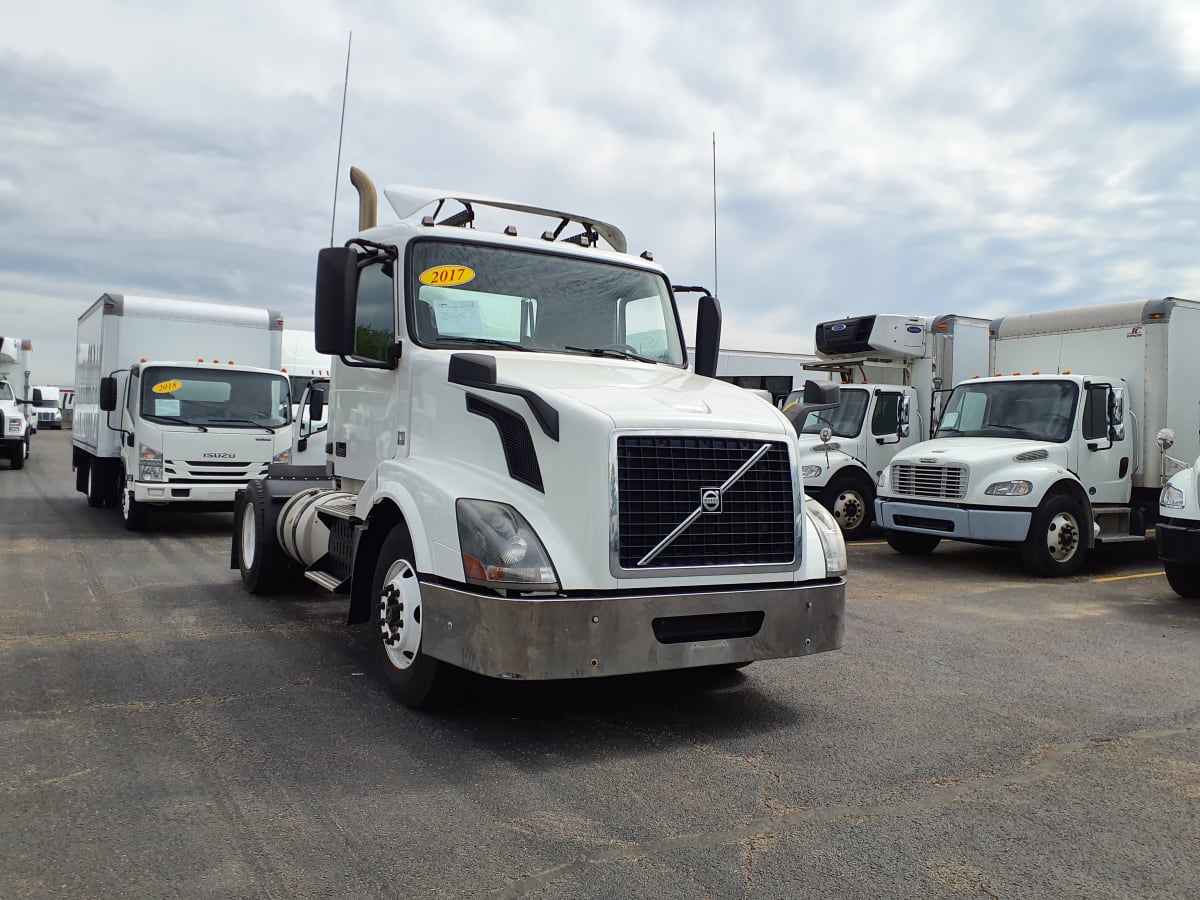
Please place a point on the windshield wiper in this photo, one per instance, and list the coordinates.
(1024, 432)
(173, 420)
(612, 353)
(244, 421)
(483, 342)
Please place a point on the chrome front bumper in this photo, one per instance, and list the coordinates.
(621, 635)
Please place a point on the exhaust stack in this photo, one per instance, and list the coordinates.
(368, 199)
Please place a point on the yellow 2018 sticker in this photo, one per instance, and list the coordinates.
(447, 276)
(166, 387)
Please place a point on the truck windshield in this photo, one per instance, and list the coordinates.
(6, 392)
(1032, 410)
(215, 397)
(46, 403)
(470, 294)
(844, 420)
(299, 385)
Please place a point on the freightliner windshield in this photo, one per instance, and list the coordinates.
(475, 295)
(214, 397)
(844, 420)
(1033, 410)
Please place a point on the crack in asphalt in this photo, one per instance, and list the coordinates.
(1047, 762)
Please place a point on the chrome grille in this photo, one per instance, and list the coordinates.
(936, 482)
(194, 471)
(659, 482)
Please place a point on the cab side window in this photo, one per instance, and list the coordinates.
(1095, 414)
(886, 418)
(375, 312)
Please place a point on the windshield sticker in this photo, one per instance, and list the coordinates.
(166, 407)
(167, 387)
(447, 276)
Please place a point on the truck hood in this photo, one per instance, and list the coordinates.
(979, 451)
(228, 445)
(637, 395)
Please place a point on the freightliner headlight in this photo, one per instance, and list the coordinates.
(1172, 497)
(150, 464)
(501, 550)
(1009, 488)
(832, 542)
(810, 472)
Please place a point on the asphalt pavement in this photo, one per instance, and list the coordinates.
(164, 733)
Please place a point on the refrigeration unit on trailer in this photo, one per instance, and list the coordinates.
(15, 394)
(1063, 448)
(177, 402)
(526, 480)
(893, 369)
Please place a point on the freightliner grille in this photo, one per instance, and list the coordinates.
(934, 482)
(203, 471)
(659, 482)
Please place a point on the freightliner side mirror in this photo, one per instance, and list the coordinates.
(818, 395)
(108, 393)
(902, 417)
(708, 335)
(337, 294)
(1116, 414)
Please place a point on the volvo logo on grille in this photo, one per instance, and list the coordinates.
(218, 454)
(710, 499)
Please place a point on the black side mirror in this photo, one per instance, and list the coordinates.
(337, 293)
(818, 395)
(708, 335)
(108, 393)
(316, 405)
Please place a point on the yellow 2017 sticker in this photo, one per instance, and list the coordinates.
(447, 276)
(166, 387)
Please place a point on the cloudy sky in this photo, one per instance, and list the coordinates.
(909, 157)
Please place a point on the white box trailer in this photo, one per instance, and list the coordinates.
(177, 402)
(893, 371)
(1059, 449)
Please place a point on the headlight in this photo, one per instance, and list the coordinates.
(810, 472)
(500, 549)
(283, 456)
(832, 542)
(15, 426)
(150, 464)
(1171, 497)
(1009, 488)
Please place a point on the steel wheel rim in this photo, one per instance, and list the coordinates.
(849, 509)
(400, 614)
(91, 488)
(249, 536)
(126, 501)
(1062, 537)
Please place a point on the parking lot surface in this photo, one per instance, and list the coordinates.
(982, 733)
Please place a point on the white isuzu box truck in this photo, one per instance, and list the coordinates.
(15, 400)
(1060, 449)
(526, 480)
(177, 402)
(893, 369)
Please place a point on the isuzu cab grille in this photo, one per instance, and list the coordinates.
(196, 471)
(703, 501)
(934, 482)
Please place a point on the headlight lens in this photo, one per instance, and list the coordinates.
(810, 472)
(501, 550)
(832, 542)
(1172, 497)
(1009, 488)
(283, 456)
(15, 425)
(150, 464)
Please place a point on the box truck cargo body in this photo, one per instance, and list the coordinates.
(177, 402)
(1061, 448)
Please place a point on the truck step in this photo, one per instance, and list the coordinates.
(325, 580)
(1121, 539)
(338, 509)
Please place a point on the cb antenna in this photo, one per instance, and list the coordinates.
(341, 131)
(716, 290)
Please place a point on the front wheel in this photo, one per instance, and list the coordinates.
(1184, 579)
(17, 455)
(851, 499)
(417, 680)
(911, 543)
(133, 513)
(1055, 547)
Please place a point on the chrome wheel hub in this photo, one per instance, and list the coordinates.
(849, 510)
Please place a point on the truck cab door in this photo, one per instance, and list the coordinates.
(884, 438)
(1105, 450)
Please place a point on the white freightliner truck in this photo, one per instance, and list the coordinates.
(177, 402)
(15, 399)
(47, 406)
(1062, 450)
(306, 368)
(894, 370)
(526, 480)
(1177, 534)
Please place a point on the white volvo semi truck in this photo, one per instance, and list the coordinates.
(894, 370)
(526, 480)
(15, 400)
(177, 403)
(1061, 448)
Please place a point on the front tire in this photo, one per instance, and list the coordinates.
(261, 562)
(133, 513)
(416, 680)
(1184, 579)
(17, 454)
(911, 543)
(1055, 547)
(851, 499)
